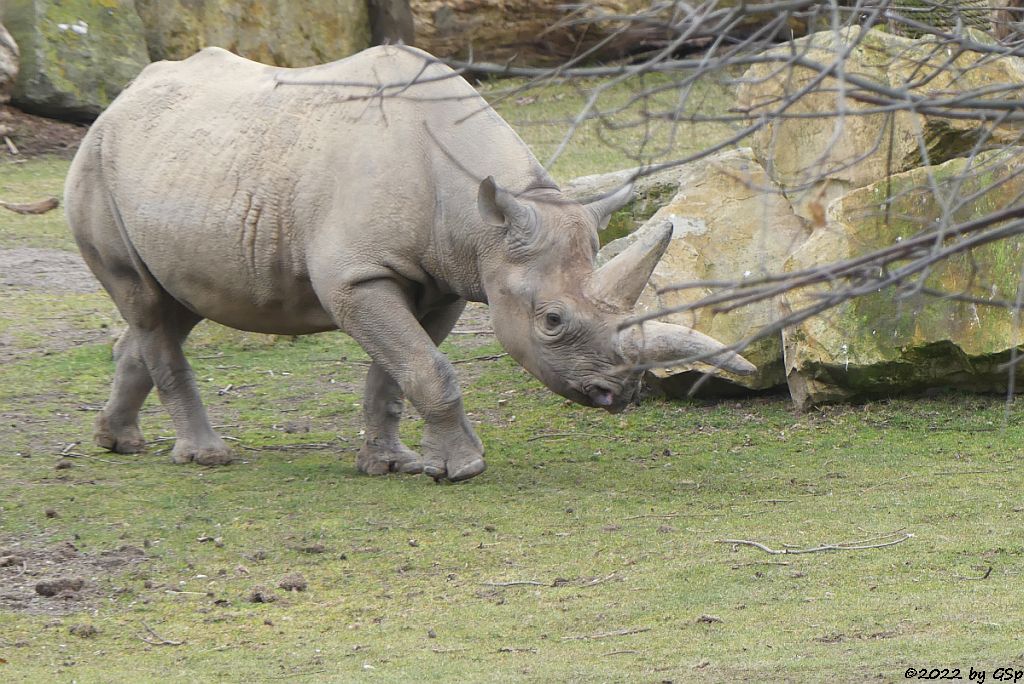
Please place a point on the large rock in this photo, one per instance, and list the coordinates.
(8, 64)
(819, 158)
(882, 345)
(530, 32)
(549, 32)
(288, 33)
(76, 55)
(730, 221)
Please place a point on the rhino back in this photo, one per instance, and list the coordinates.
(233, 186)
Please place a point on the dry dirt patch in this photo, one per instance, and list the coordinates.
(40, 576)
(45, 270)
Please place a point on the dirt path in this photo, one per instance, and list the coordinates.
(45, 270)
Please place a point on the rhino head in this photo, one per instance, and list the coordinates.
(559, 316)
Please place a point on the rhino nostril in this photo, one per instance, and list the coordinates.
(601, 396)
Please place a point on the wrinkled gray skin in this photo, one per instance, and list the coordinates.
(208, 190)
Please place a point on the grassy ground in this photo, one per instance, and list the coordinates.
(587, 552)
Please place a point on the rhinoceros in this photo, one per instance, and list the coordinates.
(374, 195)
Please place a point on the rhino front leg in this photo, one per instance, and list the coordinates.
(378, 315)
(383, 404)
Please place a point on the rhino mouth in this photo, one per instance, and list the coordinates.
(613, 398)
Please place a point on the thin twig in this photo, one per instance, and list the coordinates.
(988, 571)
(485, 357)
(815, 549)
(559, 435)
(607, 635)
(516, 583)
(160, 641)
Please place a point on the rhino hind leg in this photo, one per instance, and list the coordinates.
(117, 426)
(150, 352)
(175, 382)
(383, 451)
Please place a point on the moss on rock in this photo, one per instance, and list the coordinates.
(289, 33)
(884, 344)
(76, 55)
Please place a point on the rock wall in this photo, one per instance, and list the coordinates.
(289, 33)
(76, 55)
(884, 344)
(819, 159)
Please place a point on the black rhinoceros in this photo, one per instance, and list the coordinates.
(378, 205)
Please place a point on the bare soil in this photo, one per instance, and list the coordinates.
(41, 576)
(45, 270)
(34, 136)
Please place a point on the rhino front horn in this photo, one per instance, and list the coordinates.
(620, 282)
(656, 342)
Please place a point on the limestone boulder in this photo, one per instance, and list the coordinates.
(76, 55)
(817, 159)
(8, 64)
(288, 33)
(730, 221)
(883, 344)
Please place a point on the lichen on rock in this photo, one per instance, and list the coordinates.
(76, 55)
(889, 343)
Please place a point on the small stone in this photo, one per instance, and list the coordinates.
(84, 630)
(293, 582)
(63, 464)
(413, 543)
(51, 513)
(709, 619)
(7, 561)
(431, 634)
(314, 548)
(58, 586)
(261, 594)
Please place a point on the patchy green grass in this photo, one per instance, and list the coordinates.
(27, 182)
(587, 552)
(638, 122)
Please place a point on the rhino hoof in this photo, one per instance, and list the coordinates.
(463, 472)
(184, 452)
(374, 459)
(125, 441)
(471, 469)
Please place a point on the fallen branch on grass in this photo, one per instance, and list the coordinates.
(985, 576)
(159, 640)
(607, 635)
(485, 357)
(40, 207)
(843, 546)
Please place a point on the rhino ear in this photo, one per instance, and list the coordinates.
(487, 202)
(498, 207)
(602, 209)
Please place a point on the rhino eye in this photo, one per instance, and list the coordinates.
(553, 320)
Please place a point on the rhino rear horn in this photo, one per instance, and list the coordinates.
(602, 209)
(621, 281)
(655, 342)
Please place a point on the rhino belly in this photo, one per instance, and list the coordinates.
(245, 275)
